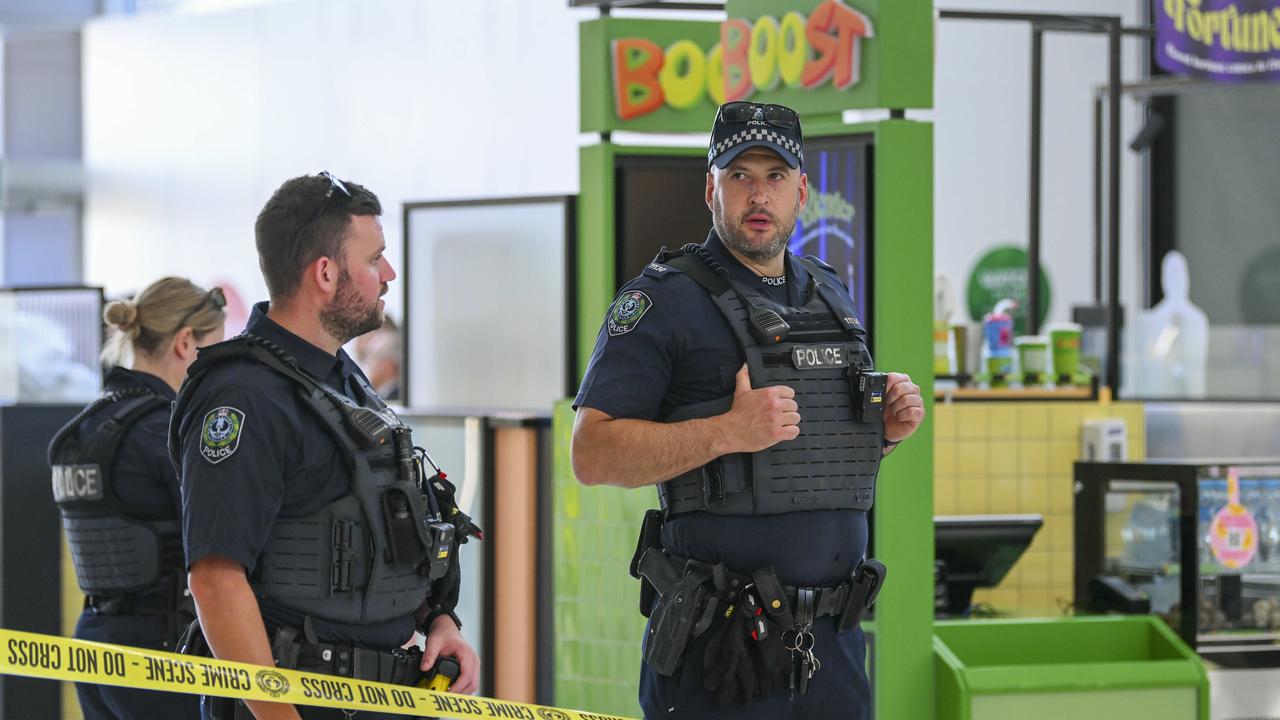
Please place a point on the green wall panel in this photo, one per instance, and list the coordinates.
(598, 624)
(596, 231)
(902, 288)
(593, 247)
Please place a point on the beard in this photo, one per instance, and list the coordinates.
(348, 315)
(738, 240)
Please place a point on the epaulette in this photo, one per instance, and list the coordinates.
(660, 270)
(822, 263)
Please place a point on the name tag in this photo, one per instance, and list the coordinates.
(819, 357)
(77, 482)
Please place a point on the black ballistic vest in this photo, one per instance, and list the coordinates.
(362, 558)
(116, 548)
(820, 351)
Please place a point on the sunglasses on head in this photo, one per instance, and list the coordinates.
(215, 298)
(335, 186)
(776, 115)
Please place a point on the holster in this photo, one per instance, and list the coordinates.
(864, 588)
(650, 537)
(686, 601)
(192, 642)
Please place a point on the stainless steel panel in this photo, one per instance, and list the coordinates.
(1222, 430)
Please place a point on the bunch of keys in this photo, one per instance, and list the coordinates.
(804, 662)
(809, 663)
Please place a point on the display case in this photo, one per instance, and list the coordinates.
(1194, 542)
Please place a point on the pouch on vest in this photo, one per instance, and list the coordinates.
(403, 539)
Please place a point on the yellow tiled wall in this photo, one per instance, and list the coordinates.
(1016, 457)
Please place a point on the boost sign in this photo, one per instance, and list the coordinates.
(819, 57)
(796, 51)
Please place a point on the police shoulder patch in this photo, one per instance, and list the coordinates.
(220, 433)
(630, 306)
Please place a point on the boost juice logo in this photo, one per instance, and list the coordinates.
(798, 51)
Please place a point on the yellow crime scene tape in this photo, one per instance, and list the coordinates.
(58, 658)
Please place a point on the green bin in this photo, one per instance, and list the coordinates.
(1099, 668)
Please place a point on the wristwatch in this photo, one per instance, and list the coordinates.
(435, 613)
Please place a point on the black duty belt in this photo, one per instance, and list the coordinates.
(825, 601)
(812, 602)
(127, 604)
(293, 651)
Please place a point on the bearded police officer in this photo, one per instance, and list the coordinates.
(315, 539)
(735, 376)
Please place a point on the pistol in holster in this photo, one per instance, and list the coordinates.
(685, 605)
(650, 537)
(193, 642)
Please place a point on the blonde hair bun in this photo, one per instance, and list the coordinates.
(122, 315)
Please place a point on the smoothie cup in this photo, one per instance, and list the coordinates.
(1064, 338)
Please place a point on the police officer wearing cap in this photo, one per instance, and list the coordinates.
(117, 492)
(317, 536)
(735, 377)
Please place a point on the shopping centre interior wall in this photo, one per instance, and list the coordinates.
(191, 120)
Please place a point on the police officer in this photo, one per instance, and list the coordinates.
(118, 494)
(314, 537)
(735, 376)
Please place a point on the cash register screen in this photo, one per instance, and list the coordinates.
(979, 550)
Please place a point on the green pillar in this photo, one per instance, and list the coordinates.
(902, 662)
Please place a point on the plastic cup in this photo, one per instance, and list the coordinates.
(1000, 367)
(1064, 338)
(960, 337)
(1033, 358)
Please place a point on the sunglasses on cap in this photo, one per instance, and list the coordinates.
(779, 116)
(215, 298)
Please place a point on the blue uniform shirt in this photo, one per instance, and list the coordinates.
(285, 464)
(680, 350)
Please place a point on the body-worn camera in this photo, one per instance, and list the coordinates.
(867, 388)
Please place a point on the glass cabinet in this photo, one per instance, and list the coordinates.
(1196, 543)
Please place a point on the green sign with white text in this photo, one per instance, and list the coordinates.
(1002, 273)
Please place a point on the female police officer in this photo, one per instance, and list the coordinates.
(117, 491)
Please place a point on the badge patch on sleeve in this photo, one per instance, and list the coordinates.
(627, 311)
(220, 434)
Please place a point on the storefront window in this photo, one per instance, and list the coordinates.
(1214, 174)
